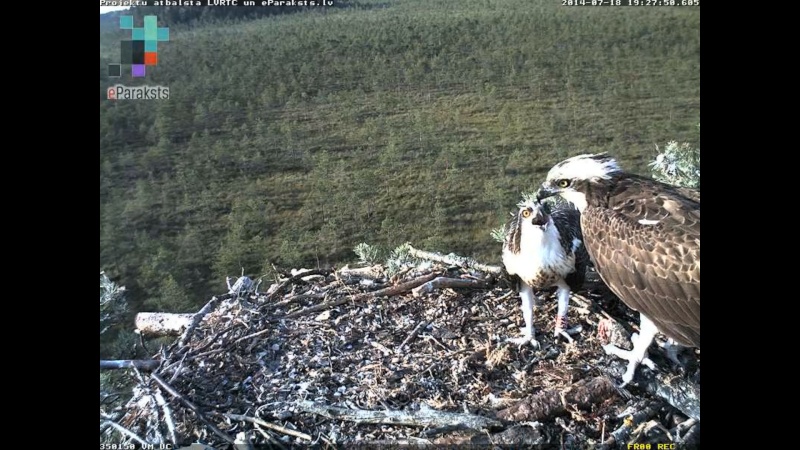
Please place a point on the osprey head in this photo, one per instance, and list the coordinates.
(532, 215)
(569, 177)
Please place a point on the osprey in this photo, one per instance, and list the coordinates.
(544, 250)
(644, 239)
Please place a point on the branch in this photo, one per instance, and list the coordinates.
(124, 431)
(420, 326)
(162, 324)
(444, 282)
(271, 426)
(425, 417)
(387, 292)
(621, 434)
(193, 407)
(148, 365)
(293, 279)
(187, 335)
(454, 260)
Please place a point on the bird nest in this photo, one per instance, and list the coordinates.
(355, 358)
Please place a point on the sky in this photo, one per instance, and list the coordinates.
(105, 9)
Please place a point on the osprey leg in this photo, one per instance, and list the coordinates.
(638, 355)
(562, 324)
(527, 296)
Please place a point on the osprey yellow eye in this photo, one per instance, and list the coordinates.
(526, 213)
(563, 183)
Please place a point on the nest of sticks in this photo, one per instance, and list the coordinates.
(356, 358)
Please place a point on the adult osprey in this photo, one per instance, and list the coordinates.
(644, 239)
(544, 249)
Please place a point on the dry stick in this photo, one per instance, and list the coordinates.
(425, 417)
(443, 282)
(125, 432)
(250, 336)
(621, 434)
(193, 407)
(271, 426)
(421, 326)
(454, 260)
(154, 411)
(187, 335)
(387, 292)
(160, 401)
(293, 279)
(147, 365)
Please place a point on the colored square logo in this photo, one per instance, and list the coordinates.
(141, 49)
(125, 22)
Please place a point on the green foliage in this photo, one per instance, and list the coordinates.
(678, 164)
(289, 139)
(113, 305)
(367, 254)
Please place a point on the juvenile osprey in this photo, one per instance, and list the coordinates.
(544, 250)
(644, 239)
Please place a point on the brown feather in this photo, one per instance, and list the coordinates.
(654, 269)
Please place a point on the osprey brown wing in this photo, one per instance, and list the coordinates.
(646, 245)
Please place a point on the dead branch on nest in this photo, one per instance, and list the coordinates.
(420, 326)
(271, 426)
(141, 364)
(444, 282)
(277, 290)
(678, 392)
(387, 292)
(187, 335)
(168, 416)
(193, 407)
(370, 273)
(583, 394)
(621, 434)
(454, 260)
(162, 324)
(124, 431)
(425, 417)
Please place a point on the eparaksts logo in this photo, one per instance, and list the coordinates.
(120, 92)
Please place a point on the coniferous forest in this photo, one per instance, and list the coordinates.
(290, 136)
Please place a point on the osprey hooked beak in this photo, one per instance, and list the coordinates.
(545, 191)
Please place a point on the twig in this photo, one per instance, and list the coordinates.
(443, 282)
(622, 433)
(425, 417)
(160, 401)
(293, 279)
(142, 364)
(271, 426)
(387, 292)
(454, 260)
(193, 407)
(420, 326)
(250, 336)
(187, 335)
(125, 431)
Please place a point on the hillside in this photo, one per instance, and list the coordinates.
(291, 138)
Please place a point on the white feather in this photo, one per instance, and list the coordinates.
(583, 167)
(648, 222)
(539, 249)
(576, 198)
